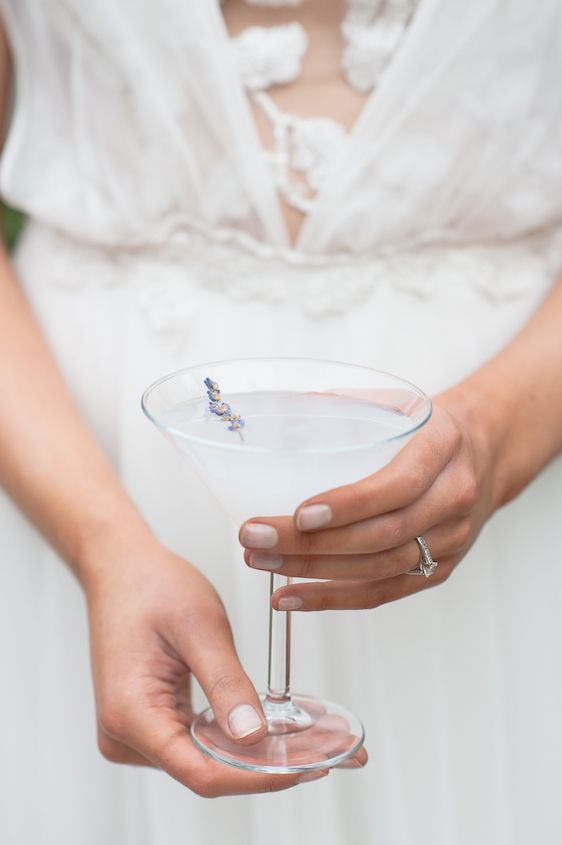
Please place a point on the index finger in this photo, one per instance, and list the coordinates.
(398, 484)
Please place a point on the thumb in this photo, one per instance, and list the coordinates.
(210, 654)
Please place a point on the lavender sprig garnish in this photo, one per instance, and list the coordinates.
(222, 409)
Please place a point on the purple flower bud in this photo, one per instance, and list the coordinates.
(219, 408)
(222, 409)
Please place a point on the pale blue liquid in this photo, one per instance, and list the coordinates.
(293, 446)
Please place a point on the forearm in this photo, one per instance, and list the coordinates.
(49, 462)
(515, 399)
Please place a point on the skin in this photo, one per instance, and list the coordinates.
(154, 618)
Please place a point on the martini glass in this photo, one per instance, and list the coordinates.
(309, 426)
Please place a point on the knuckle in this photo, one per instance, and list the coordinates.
(306, 566)
(444, 572)
(444, 576)
(307, 543)
(113, 717)
(376, 595)
(276, 785)
(467, 493)
(202, 612)
(396, 531)
(416, 480)
(225, 685)
(324, 602)
(203, 786)
(462, 535)
(110, 750)
(356, 497)
(451, 436)
(455, 437)
(386, 566)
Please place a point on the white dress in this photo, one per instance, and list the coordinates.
(156, 241)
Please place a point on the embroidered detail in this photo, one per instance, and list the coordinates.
(371, 36)
(321, 286)
(304, 149)
(269, 56)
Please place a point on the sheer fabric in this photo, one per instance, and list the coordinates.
(144, 125)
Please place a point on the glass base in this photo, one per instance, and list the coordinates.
(304, 734)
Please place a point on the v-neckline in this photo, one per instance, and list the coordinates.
(353, 135)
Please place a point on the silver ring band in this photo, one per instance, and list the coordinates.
(427, 565)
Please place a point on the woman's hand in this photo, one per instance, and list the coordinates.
(154, 620)
(362, 537)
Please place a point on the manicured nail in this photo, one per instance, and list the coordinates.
(313, 516)
(244, 720)
(308, 776)
(289, 603)
(256, 535)
(261, 560)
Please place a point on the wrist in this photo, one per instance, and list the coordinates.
(487, 418)
(106, 549)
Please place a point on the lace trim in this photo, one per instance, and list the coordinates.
(270, 56)
(305, 148)
(302, 147)
(371, 38)
(321, 286)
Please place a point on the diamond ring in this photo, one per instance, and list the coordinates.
(427, 565)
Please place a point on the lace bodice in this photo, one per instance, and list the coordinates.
(131, 115)
(305, 148)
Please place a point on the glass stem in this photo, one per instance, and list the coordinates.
(279, 657)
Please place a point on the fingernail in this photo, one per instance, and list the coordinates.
(352, 763)
(261, 560)
(308, 776)
(256, 535)
(313, 516)
(289, 603)
(244, 720)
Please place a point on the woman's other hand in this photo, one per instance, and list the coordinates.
(154, 621)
